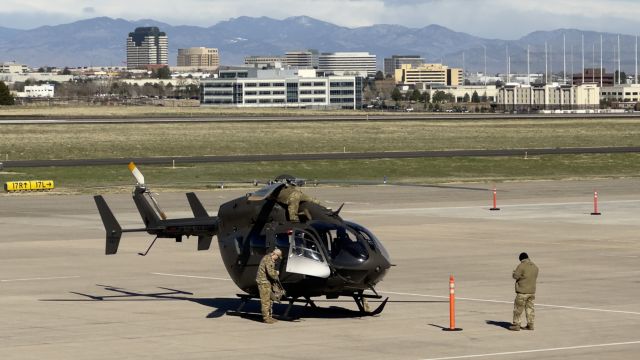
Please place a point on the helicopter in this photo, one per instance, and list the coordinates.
(323, 255)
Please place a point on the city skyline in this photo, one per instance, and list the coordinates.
(488, 18)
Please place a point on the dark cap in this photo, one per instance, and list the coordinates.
(523, 256)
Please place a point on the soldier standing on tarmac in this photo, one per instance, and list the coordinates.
(266, 277)
(525, 275)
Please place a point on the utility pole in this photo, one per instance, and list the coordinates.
(564, 58)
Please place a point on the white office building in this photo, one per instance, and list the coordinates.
(348, 63)
(281, 88)
(147, 46)
(37, 91)
(13, 67)
(305, 59)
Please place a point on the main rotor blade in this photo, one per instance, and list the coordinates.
(136, 173)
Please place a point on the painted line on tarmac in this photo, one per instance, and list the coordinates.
(383, 211)
(511, 302)
(566, 348)
(41, 278)
(192, 276)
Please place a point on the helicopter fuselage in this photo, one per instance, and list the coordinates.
(323, 255)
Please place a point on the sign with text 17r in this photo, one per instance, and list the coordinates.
(28, 185)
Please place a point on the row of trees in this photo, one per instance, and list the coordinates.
(79, 89)
(5, 95)
(438, 97)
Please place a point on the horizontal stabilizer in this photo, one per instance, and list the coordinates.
(204, 242)
(111, 226)
(196, 206)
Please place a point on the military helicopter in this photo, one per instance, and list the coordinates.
(323, 255)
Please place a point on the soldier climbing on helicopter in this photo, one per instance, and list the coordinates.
(292, 196)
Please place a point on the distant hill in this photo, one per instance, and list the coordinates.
(101, 41)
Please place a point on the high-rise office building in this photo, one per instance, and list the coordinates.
(198, 57)
(348, 63)
(396, 62)
(147, 46)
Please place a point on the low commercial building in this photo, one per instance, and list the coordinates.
(593, 76)
(622, 96)
(34, 77)
(265, 61)
(281, 88)
(37, 91)
(428, 74)
(13, 67)
(525, 98)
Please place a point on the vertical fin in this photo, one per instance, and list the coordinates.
(111, 226)
(196, 206)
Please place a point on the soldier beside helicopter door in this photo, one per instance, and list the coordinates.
(265, 278)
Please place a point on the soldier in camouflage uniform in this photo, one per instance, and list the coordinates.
(292, 196)
(266, 277)
(525, 275)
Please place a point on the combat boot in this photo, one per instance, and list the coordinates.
(514, 327)
(269, 320)
(528, 327)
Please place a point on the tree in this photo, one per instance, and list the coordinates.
(66, 71)
(426, 97)
(415, 95)
(5, 95)
(379, 75)
(396, 95)
(499, 83)
(163, 73)
(439, 96)
(475, 97)
(623, 77)
(466, 98)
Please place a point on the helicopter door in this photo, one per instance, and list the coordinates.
(305, 256)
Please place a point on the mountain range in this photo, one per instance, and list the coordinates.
(102, 41)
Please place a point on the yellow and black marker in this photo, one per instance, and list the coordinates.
(29, 185)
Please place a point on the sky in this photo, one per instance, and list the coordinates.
(502, 19)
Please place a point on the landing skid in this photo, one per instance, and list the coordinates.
(363, 304)
(245, 298)
(360, 300)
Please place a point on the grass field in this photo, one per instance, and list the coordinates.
(417, 171)
(25, 142)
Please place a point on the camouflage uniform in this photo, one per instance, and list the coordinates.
(525, 275)
(267, 274)
(292, 196)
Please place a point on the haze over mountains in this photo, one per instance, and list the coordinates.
(102, 40)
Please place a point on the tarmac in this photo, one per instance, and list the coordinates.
(62, 298)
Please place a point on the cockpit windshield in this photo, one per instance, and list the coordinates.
(342, 241)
